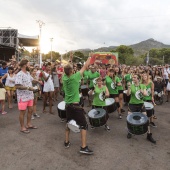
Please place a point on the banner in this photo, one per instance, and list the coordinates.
(104, 58)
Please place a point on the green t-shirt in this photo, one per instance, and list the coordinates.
(92, 77)
(120, 87)
(71, 87)
(111, 84)
(86, 75)
(128, 78)
(99, 100)
(149, 94)
(136, 97)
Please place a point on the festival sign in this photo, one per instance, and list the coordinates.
(104, 58)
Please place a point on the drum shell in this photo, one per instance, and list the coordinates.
(126, 98)
(149, 112)
(138, 129)
(111, 108)
(84, 91)
(61, 113)
(97, 122)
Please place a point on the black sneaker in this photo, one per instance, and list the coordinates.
(107, 128)
(122, 110)
(152, 124)
(86, 150)
(67, 145)
(129, 136)
(149, 138)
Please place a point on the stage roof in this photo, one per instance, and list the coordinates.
(28, 41)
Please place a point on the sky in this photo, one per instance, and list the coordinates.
(80, 24)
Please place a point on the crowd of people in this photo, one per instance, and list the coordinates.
(127, 85)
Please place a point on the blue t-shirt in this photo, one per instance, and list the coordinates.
(3, 72)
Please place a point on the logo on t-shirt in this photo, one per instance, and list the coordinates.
(139, 95)
(113, 86)
(95, 81)
(148, 91)
(102, 96)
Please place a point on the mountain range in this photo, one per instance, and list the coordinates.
(140, 48)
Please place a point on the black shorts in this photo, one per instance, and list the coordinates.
(114, 95)
(77, 113)
(137, 108)
(120, 91)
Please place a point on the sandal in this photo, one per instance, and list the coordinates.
(32, 127)
(25, 131)
(154, 117)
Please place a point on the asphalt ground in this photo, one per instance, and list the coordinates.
(43, 148)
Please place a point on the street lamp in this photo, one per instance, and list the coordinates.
(51, 39)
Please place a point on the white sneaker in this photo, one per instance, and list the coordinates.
(32, 117)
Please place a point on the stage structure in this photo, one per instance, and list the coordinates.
(13, 43)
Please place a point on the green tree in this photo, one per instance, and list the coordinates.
(78, 57)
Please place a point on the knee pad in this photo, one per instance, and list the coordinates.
(117, 104)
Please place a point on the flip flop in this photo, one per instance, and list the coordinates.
(25, 131)
(32, 127)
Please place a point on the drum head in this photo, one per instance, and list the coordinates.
(97, 113)
(109, 101)
(62, 105)
(148, 106)
(73, 126)
(137, 118)
(83, 86)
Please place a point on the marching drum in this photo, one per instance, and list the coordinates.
(110, 105)
(149, 108)
(97, 117)
(84, 90)
(137, 123)
(61, 110)
(81, 100)
(125, 97)
(72, 125)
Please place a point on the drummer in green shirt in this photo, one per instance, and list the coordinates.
(136, 103)
(112, 82)
(100, 92)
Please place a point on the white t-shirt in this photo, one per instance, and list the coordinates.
(2, 93)
(166, 72)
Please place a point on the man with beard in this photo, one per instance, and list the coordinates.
(25, 96)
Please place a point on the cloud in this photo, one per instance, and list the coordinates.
(76, 24)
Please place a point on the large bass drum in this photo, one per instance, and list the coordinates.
(61, 110)
(97, 117)
(137, 123)
(110, 105)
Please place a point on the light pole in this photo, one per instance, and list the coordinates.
(51, 39)
(41, 23)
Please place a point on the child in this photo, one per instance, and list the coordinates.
(2, 98)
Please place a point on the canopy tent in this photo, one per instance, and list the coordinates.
(28, 41)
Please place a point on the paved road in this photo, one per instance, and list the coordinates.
(43, 149)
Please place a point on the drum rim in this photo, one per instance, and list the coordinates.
(96, 109)
(60, 103)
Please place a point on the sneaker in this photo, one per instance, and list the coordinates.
(107, 128)
(152, 124)
(86, 150)
(122, 110)
(32, 117)
(67, 145)
(149, 138)
(129, 136)
(3, 113)
(120, 116)
(62, 120)
(36, 115)
(92, 127)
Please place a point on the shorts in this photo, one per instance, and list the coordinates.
(23, 105)
(137, 108)
(7, 88)
(77, 113)
(120, 91)
(114, 95)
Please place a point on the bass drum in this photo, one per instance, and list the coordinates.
(137, 123)
(61, 110)
(110, 105)
(149, 108)
(97, 117)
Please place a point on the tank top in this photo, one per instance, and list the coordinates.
(10, 81)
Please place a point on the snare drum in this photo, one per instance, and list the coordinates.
(72, 125)
(137, 123)
(149, 108)
(97, 117)
(84, 90)
(110, 105)
(61, 110)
